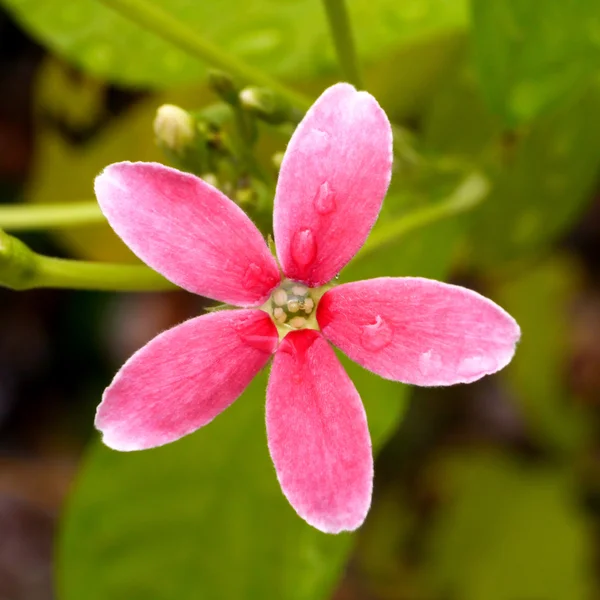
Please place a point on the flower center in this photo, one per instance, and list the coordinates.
(292, 305)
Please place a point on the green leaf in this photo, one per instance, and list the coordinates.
(509, 531)
(540, 300)
(426, 251)
(541, 179)
(288, 39)
(542, 189)
(531, 55)
(203, 517)
(65, 171)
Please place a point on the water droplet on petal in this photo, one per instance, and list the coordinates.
(254, 334)
(430, 363)
(304, 247)
(324, 201)
(316, 141)
(476, 366)
(256, 280)
(376, 336)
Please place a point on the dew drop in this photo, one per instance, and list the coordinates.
(324, 201)
(476, 366)
(253, 334)
(376, 336)
(430, 363)
(256, 280)
(316, 141)
(252, 277)
(304, 247)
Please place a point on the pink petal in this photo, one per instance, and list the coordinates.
(184, 378)
(417, 330)
(318, 434)
(333, 178)
(188, 231)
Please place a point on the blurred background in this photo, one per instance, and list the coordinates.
(489, 491)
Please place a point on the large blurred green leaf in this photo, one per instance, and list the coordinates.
(539, 299)
(203, 517)
(532, 54)
(286, 38)
(542, 189)
(64, 171)
(509, 532)
(426, 251)
(541, 179)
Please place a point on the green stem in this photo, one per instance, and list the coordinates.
(27, 217)
(23, 269)
(163, 24)
(341, 31)
(469, 193)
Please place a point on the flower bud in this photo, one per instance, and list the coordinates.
(224, 86)
(267, 105)
(174, 128)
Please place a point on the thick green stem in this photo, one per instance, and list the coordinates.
(160, 22)
(28, 217)
(23, 269)
(469, 193)
(341, 31)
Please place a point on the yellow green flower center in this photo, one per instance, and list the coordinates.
(292, 305)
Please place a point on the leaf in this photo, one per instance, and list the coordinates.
(427, 251)
(509, 531)
(531, 56)
(544, 187)
(539, 300)
(288, 39)
(541, 180)
(78, 103)
(203, 517)
(64, 170)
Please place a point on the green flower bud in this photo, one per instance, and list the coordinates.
(267, 105)
(224, 86)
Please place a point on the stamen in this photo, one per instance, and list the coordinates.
(280, 297)
(297, 322)
(292, 305)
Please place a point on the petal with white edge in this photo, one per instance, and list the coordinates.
(418, 330)
(318, 435)
(184, 377)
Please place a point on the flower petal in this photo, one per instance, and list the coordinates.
(189, 231)
(417, 330)
(184, 377)
(334, 175)
(318, 434)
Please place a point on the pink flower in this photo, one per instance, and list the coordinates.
(333, 178)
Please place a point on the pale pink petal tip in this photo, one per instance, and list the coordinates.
(333, 178)
(418, 331)
(184, 378)
(318, 435)
(189, 231)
